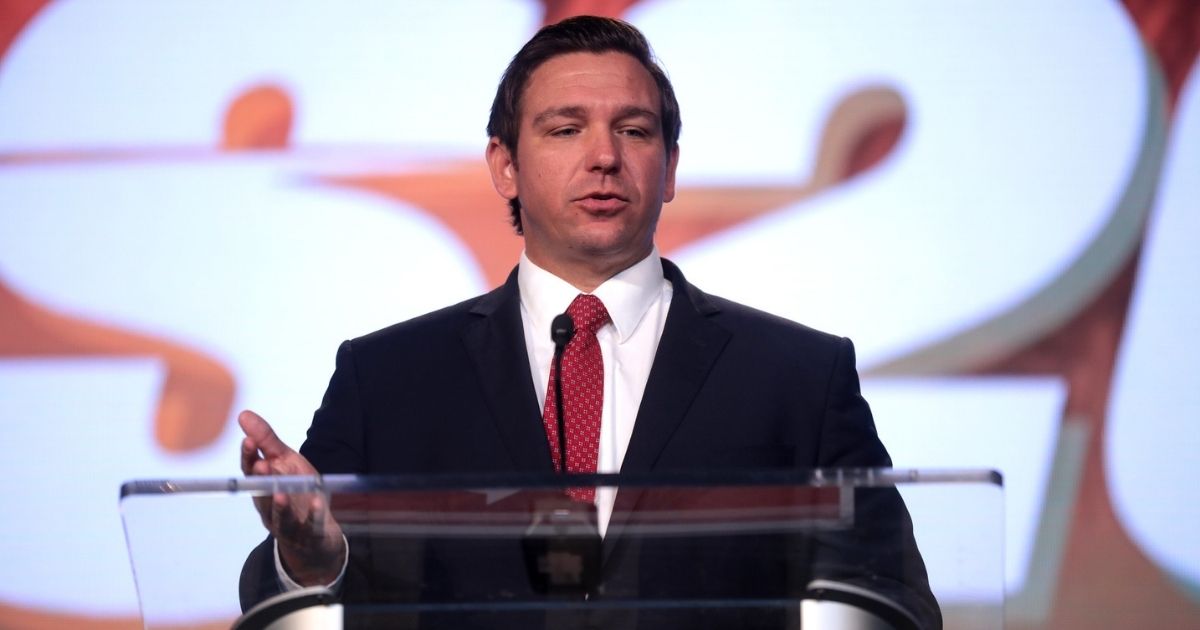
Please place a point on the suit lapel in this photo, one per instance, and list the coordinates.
(688, 349)
(495, 342)
(686, 353)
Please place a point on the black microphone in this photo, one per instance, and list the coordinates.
(562, 329)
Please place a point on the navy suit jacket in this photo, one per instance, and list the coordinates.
(730, 388)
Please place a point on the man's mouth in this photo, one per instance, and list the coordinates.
(601, 202)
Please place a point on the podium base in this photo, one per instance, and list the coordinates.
(830, 604)
(310, 608)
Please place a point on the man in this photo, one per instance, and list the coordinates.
(584, 146)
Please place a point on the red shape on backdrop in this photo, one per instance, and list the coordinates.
(15, 15)
(1171, 28)
(558, 10)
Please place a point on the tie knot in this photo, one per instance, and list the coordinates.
(588, 313)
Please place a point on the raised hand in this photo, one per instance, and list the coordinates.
(311, 546)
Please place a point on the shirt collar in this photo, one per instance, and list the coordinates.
(627, 295)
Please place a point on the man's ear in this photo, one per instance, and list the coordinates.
(672, 162)
(503, 166)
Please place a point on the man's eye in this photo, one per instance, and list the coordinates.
(635, 132)
(564, 131)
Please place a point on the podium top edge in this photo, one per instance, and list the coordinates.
(825, 477)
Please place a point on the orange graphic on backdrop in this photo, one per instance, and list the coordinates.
(197, 391)
(862, 132)
(259, 118)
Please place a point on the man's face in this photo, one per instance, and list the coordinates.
(591, 169)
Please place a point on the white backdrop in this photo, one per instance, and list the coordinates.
(1029, 158)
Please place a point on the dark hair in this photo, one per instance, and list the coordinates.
(585, 33)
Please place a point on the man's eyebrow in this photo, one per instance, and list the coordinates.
(578, 111)
(568, 111)
(637, 112)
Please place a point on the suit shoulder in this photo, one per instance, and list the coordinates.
(431, 330)
(751, 325)
(747, 320)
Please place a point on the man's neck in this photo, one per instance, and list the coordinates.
(589, 274)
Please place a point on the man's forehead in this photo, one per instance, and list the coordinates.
(578, 81)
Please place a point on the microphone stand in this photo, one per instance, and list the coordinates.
(562, 329)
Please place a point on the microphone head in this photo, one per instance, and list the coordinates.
(561, 330)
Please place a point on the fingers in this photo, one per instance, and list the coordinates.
(253, 462)
(250, 457)
(298, 515)
(263, 453)
(288, 514)
(262, 435)
(304, 521)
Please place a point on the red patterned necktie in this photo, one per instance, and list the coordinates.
(583, 393)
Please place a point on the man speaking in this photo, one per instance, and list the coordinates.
(657, 375)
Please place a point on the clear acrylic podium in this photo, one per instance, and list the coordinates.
(715, 550)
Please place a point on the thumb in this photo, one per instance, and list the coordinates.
(258, 430)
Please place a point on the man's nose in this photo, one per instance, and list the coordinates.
(604, 153)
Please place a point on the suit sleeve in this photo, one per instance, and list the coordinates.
(878, 551)
(336, 439)
(848, 436)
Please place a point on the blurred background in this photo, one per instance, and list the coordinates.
(996, 201)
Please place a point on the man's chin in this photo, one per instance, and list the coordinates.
(612, 251)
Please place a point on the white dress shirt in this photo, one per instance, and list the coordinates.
(637, 301)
